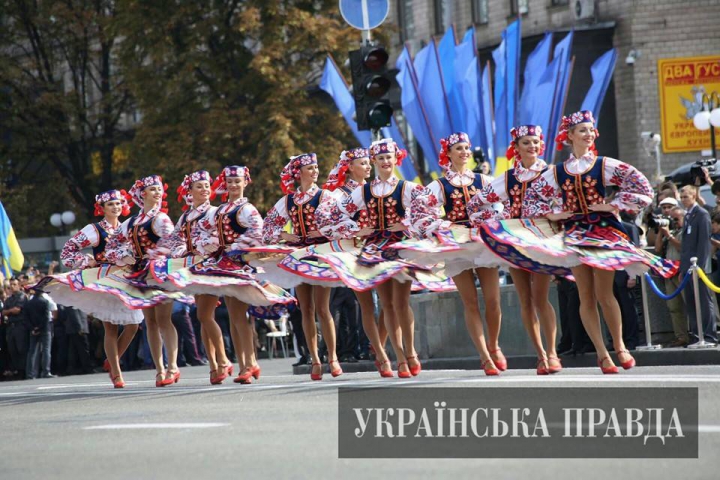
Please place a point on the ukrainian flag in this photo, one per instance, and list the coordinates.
(12, 256)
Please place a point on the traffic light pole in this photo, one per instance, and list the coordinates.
(366, 37)
(376, 135)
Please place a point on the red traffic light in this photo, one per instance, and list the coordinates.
(376, 58)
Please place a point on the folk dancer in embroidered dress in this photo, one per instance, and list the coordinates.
(454, 189)
(591, 226)
(514, 189)
(298, 206)
(111, 205)
(349, 174)
(388, 202)
(129, 247)
(188, 238)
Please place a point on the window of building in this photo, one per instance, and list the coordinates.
(406, 20)
(519, 7)
(479, 11)
(443, 15)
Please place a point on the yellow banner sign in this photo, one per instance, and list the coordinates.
(682, 83)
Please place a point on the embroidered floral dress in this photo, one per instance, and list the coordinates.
(596, 239)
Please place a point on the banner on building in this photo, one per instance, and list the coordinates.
(682, 83)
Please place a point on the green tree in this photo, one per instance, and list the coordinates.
(231, 82)
(62, 100)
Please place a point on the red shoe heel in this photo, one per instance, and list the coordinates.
(607, 370)
(316, 376)
(541, 368)
(256, 372)
(106, 365)
(244, 377)
(554, 369)
(500, 363)
(338, 371)
(117, 382)
(415, 370)
(217, 379)
(405, 374)
(174, 377)
(161, 382)
(628, 364)
(489, 368)
(384, 373)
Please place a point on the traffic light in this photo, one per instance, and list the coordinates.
(371, 85)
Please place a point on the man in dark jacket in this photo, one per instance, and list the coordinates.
(17, 330)
(78, 345)
(696, 243)
(40, 311)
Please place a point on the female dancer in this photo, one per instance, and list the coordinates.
(129, 247)
(299, 207)
(388, 202)
(238, 225)
(111, 205)
(514, 189)
(592, 230)
(454, 189)
(349, 174)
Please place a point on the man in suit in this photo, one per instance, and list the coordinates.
(696, 243)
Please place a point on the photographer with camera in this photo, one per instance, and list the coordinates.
(696, 243)
(667, 245)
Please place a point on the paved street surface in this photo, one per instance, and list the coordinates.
(284, 426)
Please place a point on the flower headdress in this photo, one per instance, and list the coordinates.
(135, 192)
(387, 145)
(336, 178)
(583, 116)
(184, 190)
(447, 143)
(220, 183)
(108, 196)
(519, 132)
(291, 173)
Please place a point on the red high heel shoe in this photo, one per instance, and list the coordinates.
(117, 381)
(384, 373)
(219, 377)
(174, 377)
(607, 370)
(500, 363)
(106, 365)
(316, 376)
(415, 370)
(161, 382)
(405, 374)
(628, 364)
(245, 377)
(338, 371)
(540, 367)
(489, 368)
(228, 369)
(554, 369)
(255, 371)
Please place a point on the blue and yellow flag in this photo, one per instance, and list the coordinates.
(12, 256)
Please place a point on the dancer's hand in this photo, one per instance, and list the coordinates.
(364, 232)
(91, 261)
(315, 234)
(603, 207)
(556, 217)
(397, 227)
(289, 237)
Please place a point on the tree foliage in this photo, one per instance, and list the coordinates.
(97, 92)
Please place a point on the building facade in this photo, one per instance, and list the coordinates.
(642, 31)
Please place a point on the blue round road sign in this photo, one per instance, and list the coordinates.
(364, 14)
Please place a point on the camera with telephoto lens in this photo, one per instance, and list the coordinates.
(659, 221)
(697, 177)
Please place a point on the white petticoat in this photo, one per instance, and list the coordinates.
(102, 306)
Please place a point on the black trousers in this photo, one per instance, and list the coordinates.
(573, 331)
(18, 338)
(78, 353)
(345, 311)
(626, 300)
(296, 321)
(187, 351)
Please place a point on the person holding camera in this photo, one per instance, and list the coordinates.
(696, 243)
(667, 245)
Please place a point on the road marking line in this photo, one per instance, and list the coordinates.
(144, 426)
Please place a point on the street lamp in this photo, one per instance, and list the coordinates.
(61, 220)
(709, 117)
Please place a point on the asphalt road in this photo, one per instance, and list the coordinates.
(285, 426)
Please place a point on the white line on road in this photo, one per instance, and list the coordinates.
(141, 426)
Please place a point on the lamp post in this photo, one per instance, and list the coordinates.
(709, 117)
(61, 220)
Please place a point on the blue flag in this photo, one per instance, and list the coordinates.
(602, 72)
(432, 91)
(535, 66)
(414, 111)
(507, 68)
(447, 52)
(486, 117)
(542, 96)
(562, 52)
